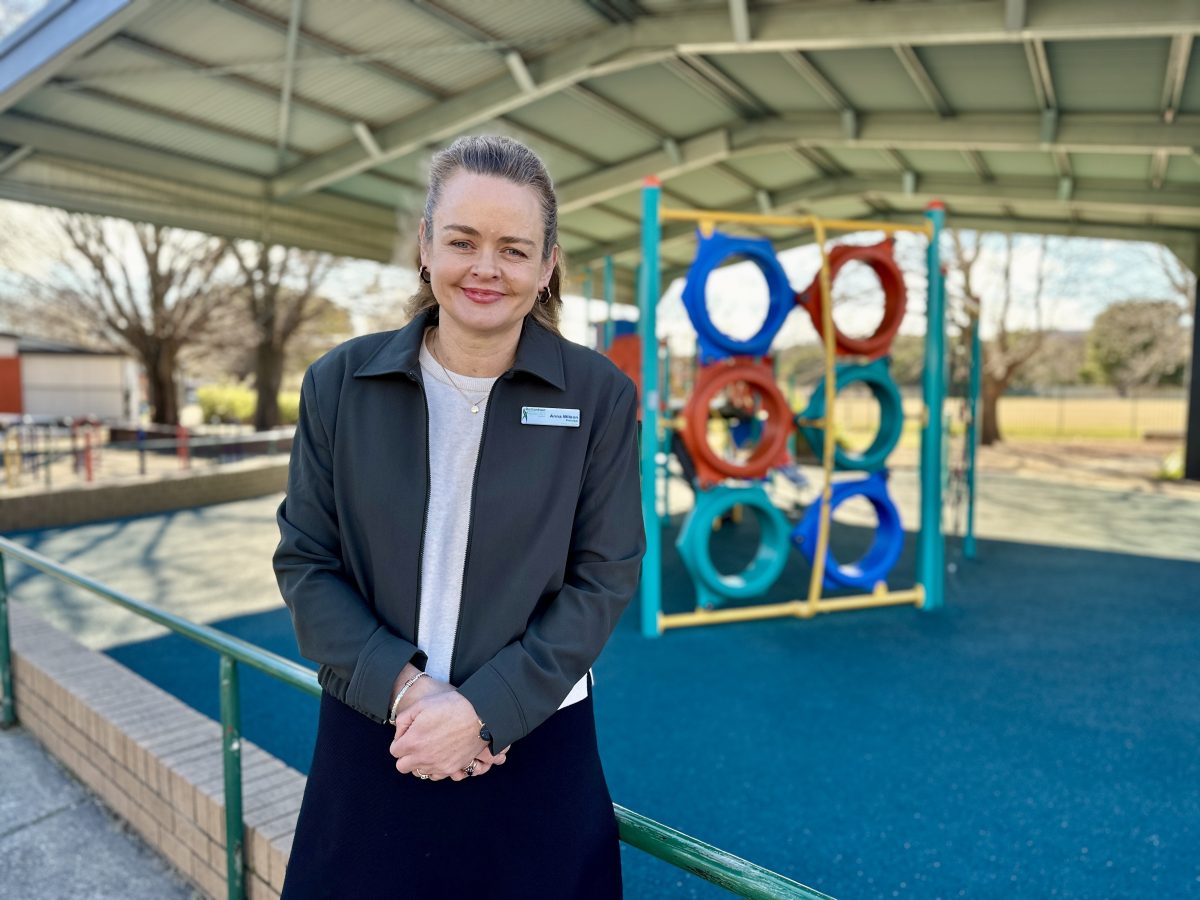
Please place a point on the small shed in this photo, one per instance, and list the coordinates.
(51, 380)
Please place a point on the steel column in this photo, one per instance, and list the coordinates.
(930, 549)
(647, 308)
(972, 436)
(610, 296)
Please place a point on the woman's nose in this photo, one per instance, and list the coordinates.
(486, 266)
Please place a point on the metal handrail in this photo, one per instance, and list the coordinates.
(726, 870)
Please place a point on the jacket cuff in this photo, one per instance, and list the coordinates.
(382, 658)
(496, 705)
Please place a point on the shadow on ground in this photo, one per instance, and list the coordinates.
(1037, 737)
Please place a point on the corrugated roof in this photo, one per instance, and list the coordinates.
(172, 111)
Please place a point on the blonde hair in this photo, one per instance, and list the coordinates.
(501, 157)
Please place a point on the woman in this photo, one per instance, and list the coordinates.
(461, 533)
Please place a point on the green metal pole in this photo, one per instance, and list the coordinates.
(231, 741)
(8, 712)
(664, 470)
(610, 296)
(647, 306)
(972, 437)
(931, 549)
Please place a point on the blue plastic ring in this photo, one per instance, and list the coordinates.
(711, 252)
(884, 552)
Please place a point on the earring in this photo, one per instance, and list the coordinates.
(544, 295)
(423, 274)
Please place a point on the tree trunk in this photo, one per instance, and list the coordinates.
(268, 375)
(160, 380)
(989, 403)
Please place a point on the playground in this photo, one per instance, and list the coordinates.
(1014, 718)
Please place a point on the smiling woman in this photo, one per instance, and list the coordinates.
(455, 574)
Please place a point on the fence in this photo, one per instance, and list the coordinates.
(50, 456)
(731, 872)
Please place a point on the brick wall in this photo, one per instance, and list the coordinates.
(179, 490)
(152, 760)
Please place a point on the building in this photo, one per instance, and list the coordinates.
(48, 380)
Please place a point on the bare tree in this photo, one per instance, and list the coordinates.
(144, 289)
(1012, 347)
(279, 291)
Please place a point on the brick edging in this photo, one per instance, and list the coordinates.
(153, 760)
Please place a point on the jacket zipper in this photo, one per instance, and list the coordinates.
(424, 515)
(470, 529)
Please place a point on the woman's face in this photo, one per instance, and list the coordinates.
(485, 254)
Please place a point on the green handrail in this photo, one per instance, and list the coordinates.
(733, 873)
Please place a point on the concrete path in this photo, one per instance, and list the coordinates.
(56, 840)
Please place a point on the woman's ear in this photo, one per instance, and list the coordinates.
(548, 265)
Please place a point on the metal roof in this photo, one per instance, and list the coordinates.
(310, 121)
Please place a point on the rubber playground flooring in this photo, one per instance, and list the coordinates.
(1036, 737)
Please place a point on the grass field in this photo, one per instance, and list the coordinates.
(1040, 417)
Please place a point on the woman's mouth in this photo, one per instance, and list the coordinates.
(482, 296)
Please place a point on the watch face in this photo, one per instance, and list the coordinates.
(485, 734)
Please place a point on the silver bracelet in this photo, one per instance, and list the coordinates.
(403, 691)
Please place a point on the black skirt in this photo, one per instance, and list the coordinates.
(539, 826)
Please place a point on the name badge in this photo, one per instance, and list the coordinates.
(549, 415)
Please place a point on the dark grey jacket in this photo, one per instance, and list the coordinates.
(553, 550)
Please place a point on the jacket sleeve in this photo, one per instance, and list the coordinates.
(335, 625)
(524, 683)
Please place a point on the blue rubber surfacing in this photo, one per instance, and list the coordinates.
(1038, 737)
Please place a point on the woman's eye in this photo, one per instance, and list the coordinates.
(462, 245)
(514, 251)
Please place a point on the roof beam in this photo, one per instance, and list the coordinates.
(975, 160)
(13, 159)
(739, 20)
(54, 38)
(835, 26)
(816, 79)
(706, 78)
(923, 80)
(1039, 73)
(1177, 69)
(122, 156)
(1077, 133)
(588, 58)
(620, 178)
(1014, 15)
(289, 72)
(1158, 170)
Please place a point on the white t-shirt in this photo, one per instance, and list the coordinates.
(454, 434)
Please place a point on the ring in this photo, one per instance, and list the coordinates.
(470, 770)
(420, 775)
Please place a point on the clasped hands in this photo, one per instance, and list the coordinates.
(437, 734)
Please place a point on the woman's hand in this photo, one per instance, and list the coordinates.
(438, 736)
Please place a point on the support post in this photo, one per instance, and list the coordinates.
(610, 296)
(647, 327)
(930, 548)
(8, 710)
(231, 745)
(972, 436)
(1191, 449)
(593, 334)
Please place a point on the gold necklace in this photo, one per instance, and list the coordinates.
(474, 403)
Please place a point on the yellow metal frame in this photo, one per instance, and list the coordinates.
(813, 604)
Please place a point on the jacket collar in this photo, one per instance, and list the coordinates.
(538, 352)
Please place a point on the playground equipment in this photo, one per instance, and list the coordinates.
(729, 362)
